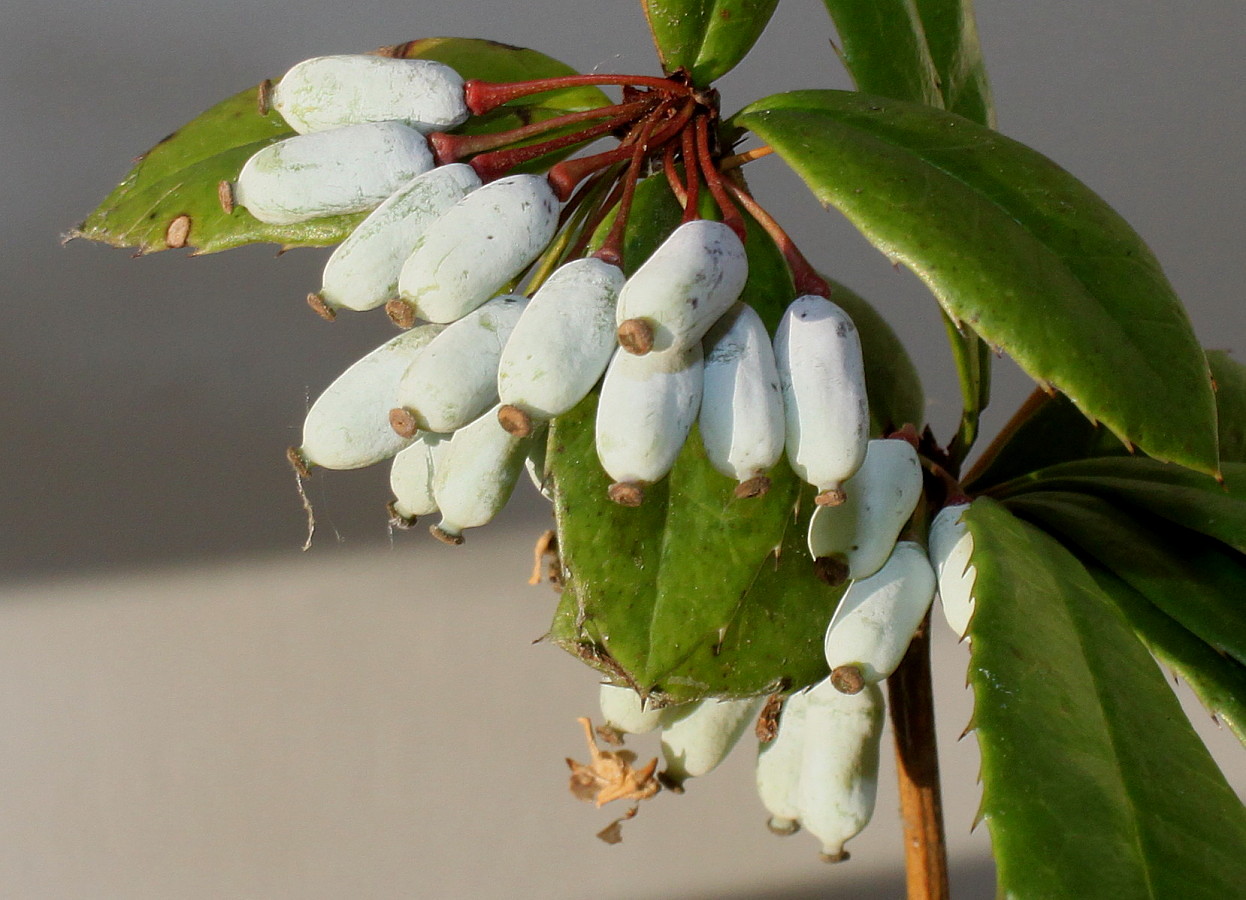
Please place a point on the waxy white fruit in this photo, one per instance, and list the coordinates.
(329, 173)
(412, 474)
(951, 549)
(839, 765)
(878, 616)
(363, 271)
(647, 406)
(623, 710)
(697, 737)
(455, 379)
(860, 533)
(561, 345)
(331, 91)
(476, 476)
(682, 289)
(348, 425)
(778, 766)
(741, 422)
(818, 352)
(477, 246)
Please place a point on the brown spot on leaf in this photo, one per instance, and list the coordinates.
(176, 235)
(264, 97)
(225, 194)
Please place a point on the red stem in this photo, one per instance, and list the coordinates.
(805, 277)
(492, 165)
(484, 96)
(672, 175)
(714, 180)
(567, 174)
(611, 250)
(595, 219)
(450, 148)
(692, 194)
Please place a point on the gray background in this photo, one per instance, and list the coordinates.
(193, 708)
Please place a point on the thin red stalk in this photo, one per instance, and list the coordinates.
(593, 221)
(450, 148)
(691, 171)
(567, 174)
(714, 179)
(492, 165)
(806, 278)
(611, 250)
(484, 96)
(672, 175)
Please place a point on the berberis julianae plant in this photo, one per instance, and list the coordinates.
(752, 516)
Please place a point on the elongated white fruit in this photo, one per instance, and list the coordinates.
(363, 271)
(683, 287)
(779, 764)
(330, 172)
(331, 91)
(561, 345)
(839, 767)
(348, 425)
(476, 476)
(413, 472)
(477, 246)
(859, 534)
(818, 352)
(951, 549)
(697, 737)
(742, 426)
(878, 616)
(647, 406)
(455, 379)
(623, 710)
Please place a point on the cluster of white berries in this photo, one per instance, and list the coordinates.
(460, 399)
(818, 768)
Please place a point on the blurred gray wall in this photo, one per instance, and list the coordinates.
(146, 403)
(190, 708)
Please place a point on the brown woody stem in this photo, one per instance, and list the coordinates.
(911, 702)
(692, 193)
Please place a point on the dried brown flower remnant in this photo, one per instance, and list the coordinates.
(608, 775)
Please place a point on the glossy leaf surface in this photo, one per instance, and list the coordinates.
(952, 36)
(1094, 785)
(1015, 248)
(179, 177)
(706, 37)
(1218, 681)
(1184, 498)
(1196, 581)
(883, 46)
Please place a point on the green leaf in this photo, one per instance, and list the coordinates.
(1046, 430)
(177, 180)
(923, 51)
(883, 46)
(1219, 682)
(1198, 582)
(684, 596)
(1230, 379)
(1015, 248)
(707, 38)
(952, 36)
(1094, 785)
(891, 379)
(1183, 497)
